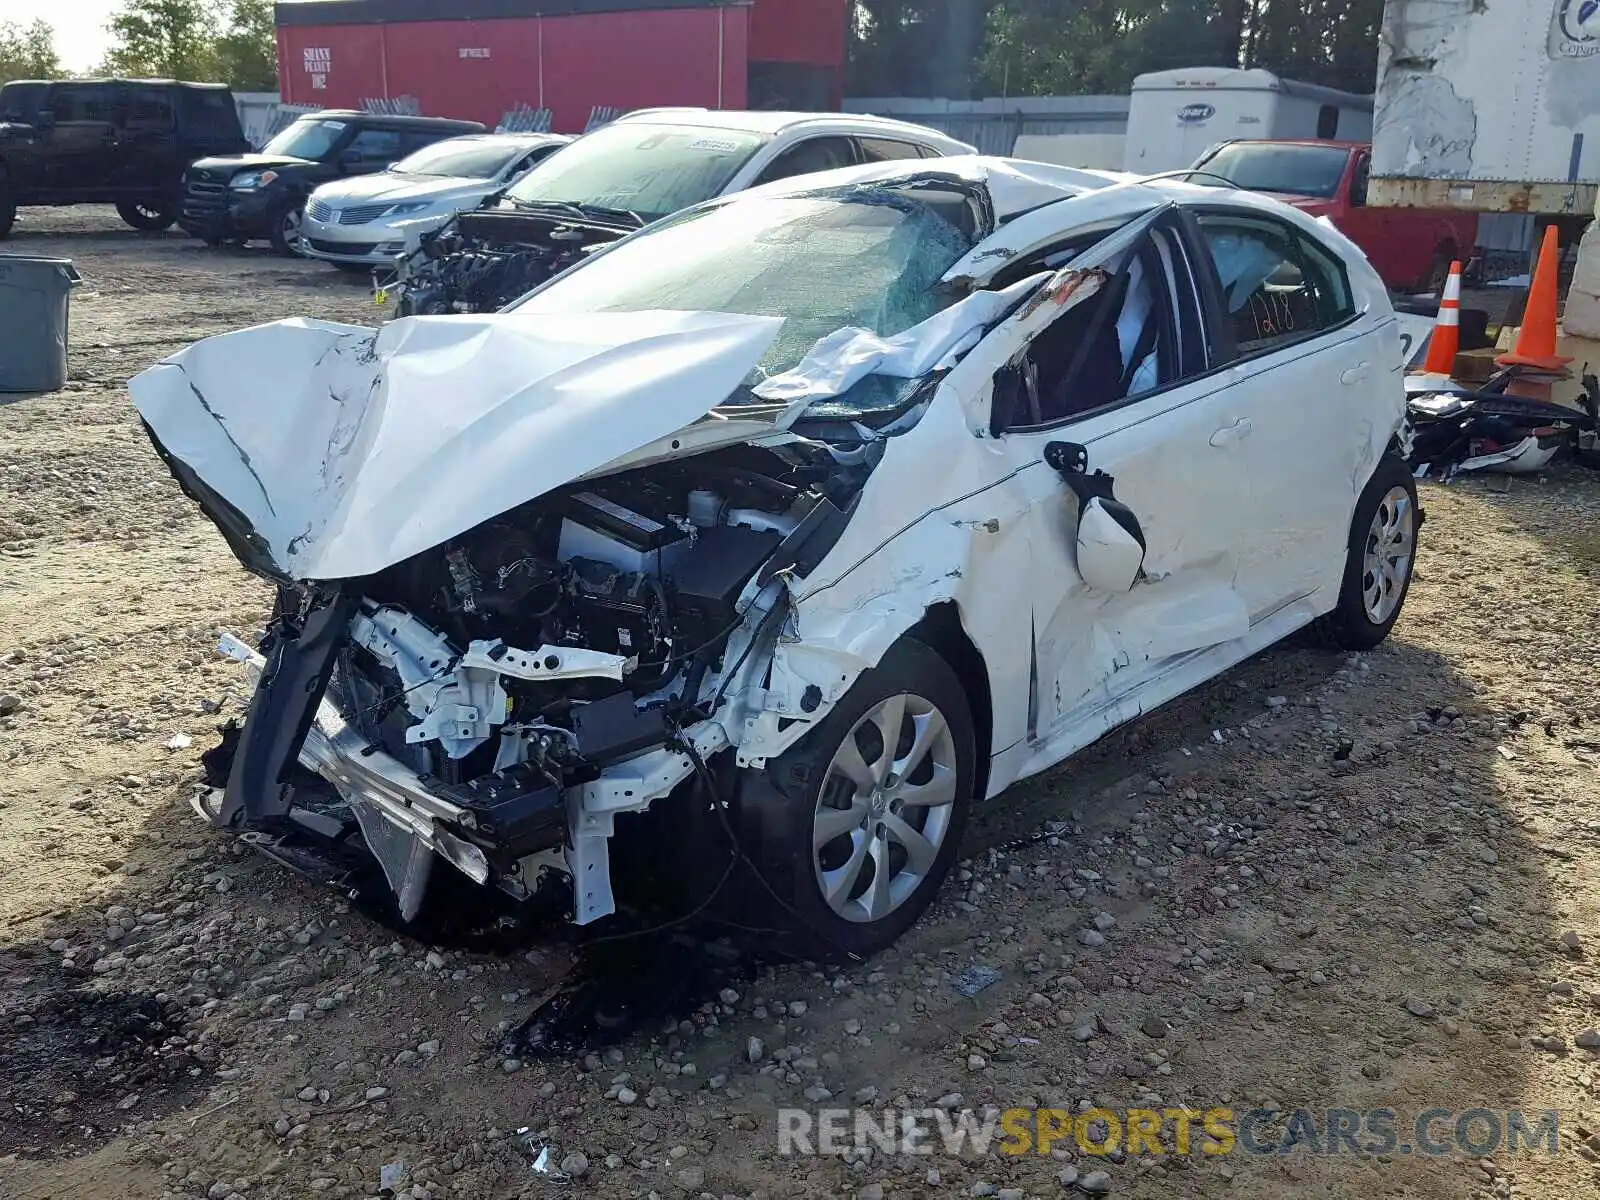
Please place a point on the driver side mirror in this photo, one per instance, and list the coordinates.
(1110, 545)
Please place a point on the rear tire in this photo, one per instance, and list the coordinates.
(8, 211)
(1379, 560)
(146, 216)
(853, 836)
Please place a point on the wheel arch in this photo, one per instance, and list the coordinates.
(943, 632)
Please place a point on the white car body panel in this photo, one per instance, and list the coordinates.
(1243, 477)
(505, 407)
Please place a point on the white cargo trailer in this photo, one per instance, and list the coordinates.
(1493, 107)
(1176, 116)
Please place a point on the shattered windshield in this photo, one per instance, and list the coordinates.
(1288, 170)
(306, 139)
(870, 259)
(652, 170)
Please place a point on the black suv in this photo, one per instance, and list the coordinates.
(109, 141)
(237, 197)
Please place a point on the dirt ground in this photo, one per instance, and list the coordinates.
(1321, 882)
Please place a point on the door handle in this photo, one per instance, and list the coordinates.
(1229, 434)
(1356, 374)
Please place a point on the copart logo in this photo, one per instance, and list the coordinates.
(1199, 114)
(1575, 29)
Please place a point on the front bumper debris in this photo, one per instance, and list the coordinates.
(407, 824)
(390, 802)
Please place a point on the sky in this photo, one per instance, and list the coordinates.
(80, 25)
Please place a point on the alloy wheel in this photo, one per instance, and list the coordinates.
(1386, 564)
(885, 806)
(289, 227)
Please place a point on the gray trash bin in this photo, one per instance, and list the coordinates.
(34, 293)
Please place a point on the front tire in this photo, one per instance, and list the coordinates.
(286, 236)
(8, 210)
(147, 216)
(1379, 560)
(859, 823)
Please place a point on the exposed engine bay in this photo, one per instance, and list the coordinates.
(482, 260)
(525, 657)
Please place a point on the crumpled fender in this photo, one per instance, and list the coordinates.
(917, 539)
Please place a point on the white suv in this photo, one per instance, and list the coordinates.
(643, 167)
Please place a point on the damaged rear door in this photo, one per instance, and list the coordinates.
(1111, 373)
(1318, 395)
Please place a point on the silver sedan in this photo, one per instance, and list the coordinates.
(364, 222)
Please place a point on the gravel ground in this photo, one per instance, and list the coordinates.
(1321, 882)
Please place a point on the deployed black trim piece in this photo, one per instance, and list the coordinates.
(382, 12)
(299, 663)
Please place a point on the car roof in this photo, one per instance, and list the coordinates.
(183, 83)
(397, 120)
(518, 136)
(1018, 186)
(773, 123)
(1015, 185)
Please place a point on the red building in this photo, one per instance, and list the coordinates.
(476, 58)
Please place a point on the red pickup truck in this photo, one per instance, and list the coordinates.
(1411, 248)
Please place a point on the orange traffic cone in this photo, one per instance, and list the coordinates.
(1446, 339)
(1536, 340)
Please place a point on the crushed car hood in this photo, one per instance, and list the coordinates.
(343, 450)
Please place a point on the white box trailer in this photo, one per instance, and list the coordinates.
(1176, 116)
(1493, 107)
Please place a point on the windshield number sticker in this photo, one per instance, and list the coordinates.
(715, 145)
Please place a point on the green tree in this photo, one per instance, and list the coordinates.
(1040, 47)
(28, 52)
(247, 54)
(166, 39)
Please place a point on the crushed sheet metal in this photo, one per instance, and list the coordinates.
(349, 450)
(841, 359)
(1068, 286)
(1014, 185)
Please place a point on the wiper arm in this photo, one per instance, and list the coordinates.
(600, 210)
(535, 205)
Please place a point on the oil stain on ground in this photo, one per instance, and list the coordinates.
(77, 1064)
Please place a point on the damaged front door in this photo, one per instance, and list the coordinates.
(1111, 370)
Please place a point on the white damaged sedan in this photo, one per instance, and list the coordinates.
(783, 531)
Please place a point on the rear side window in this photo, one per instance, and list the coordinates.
(148, 109)
(208, 114)
(411, 141)
(1278, 286)
(887, 150)
(20, 102)
(808, 157)
(380, 146)
(80, 102)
